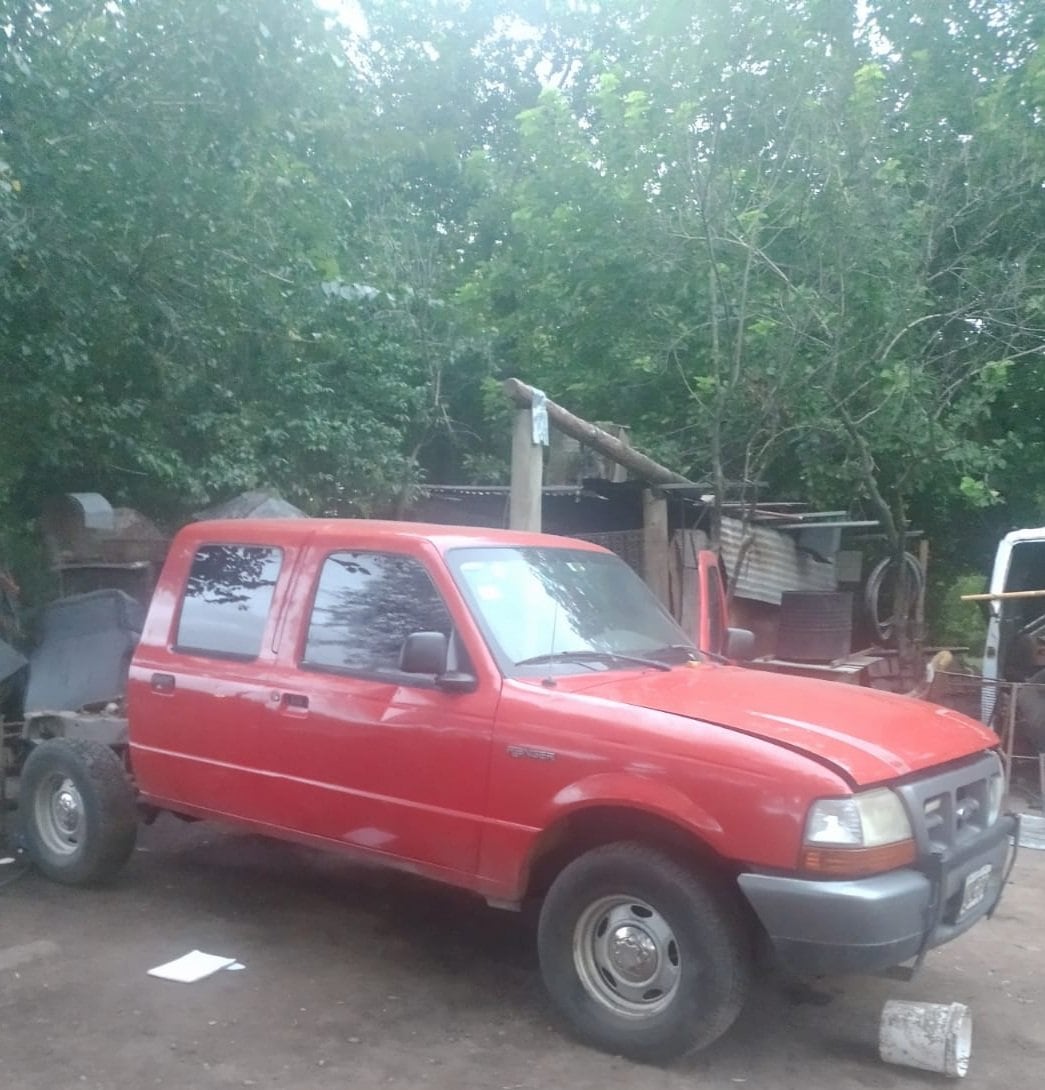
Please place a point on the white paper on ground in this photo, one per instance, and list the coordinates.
(235, 966)
(191, 967)
(7, 859)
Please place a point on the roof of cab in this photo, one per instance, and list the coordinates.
(335, 532)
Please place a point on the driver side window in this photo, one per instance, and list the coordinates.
(366, 604)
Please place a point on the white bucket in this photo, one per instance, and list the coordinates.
(929, 1036)
(1032, 831)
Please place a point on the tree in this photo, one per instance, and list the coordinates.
(757, 228)
(795, 243)
(166, 330)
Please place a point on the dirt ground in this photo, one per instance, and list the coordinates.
(365, 978)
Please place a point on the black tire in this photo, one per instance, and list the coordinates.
(77, 811)
(601, 918)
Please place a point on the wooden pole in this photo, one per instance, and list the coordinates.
(524, 501)
(1008, 746)
(919, 605)
(656, 551)
(643, 467)
(1003, 596)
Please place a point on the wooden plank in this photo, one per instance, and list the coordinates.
(1003, 596)
(656, 550)
(644, 468)
(524, 501)
(608, 468)
(687, 545)
(919, 604)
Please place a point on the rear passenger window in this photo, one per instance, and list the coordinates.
(227, 600)
(366, 605)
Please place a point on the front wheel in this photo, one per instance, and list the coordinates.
(641, 956)
(77, 811)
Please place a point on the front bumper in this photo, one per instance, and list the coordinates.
(870, 924)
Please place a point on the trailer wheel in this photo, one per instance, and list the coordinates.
(77, 810)
(642, 956)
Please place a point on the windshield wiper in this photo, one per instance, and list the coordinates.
(592, 656)
(680, 652)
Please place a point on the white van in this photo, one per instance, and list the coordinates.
(1015, 648)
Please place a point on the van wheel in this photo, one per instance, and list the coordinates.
(641, 956)
(77, 811)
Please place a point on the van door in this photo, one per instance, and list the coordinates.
(1015, 644)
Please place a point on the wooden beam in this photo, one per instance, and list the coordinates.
(524, 501)
(644, 468)
(1003, 596)
(687, 546)
(919, 605)
(656, 548)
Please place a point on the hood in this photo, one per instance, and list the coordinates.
(866, 734)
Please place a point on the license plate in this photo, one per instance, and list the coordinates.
(974, 889)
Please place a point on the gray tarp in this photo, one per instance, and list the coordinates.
(261, 504)
(10, 661)
(84, 650)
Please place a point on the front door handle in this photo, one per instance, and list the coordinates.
(163, 683)
(295, 702)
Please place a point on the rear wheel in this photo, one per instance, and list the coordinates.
(642, 956)
(77, 811)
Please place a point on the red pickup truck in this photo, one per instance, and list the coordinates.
(518, 715)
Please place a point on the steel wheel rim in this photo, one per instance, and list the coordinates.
(59, 814)
(627, 956)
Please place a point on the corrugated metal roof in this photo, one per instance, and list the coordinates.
(451, 490)
(773, 564)
(261, 503)
(837, 524)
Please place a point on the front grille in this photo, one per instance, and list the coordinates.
(949, 809)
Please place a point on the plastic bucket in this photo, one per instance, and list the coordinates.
(929, 1036)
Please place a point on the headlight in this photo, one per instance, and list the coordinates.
(857, 835)
(995, 797)
(862, 821)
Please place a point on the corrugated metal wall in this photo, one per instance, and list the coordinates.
(773, 564)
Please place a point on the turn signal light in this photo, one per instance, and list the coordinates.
(831, 862)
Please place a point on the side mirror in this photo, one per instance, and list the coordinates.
(740, 644)
(427, 653)
(424, 653)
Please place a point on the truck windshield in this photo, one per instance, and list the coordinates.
(566, 608)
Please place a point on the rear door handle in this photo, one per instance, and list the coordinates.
(163, 683)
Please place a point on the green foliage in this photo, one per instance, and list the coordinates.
(222, 266)
(978, 493)
(952, 621)
(23, 557)
(793, 254)
(242, 243)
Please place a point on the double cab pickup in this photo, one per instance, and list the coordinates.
(517, 714)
